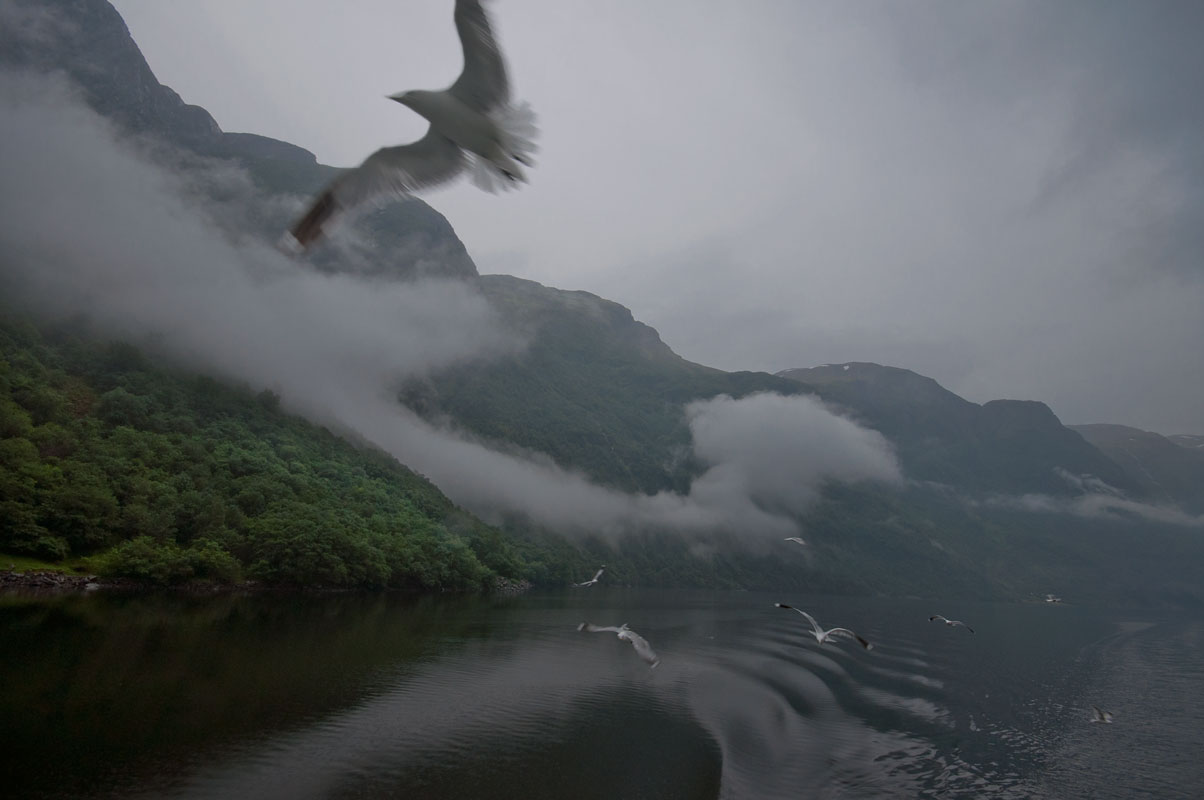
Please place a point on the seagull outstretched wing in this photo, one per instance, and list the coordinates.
(818, 630)
(483, 84)
(590, 627)
(642, 648)
(389, 172)
(594, 579)
(950, 622)
(847, 632)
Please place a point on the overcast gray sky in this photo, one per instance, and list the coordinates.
(1006, 196)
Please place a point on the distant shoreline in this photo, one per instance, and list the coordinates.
(44, 581)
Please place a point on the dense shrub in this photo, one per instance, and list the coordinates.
(173, 478)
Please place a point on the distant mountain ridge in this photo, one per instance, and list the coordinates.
(1017, 446)
(1167, 470)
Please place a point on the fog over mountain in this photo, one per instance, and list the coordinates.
(547, 410)
(92, 227)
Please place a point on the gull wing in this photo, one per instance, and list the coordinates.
(482, 85)
(588, 626)
(642, 648)
(401, 170)
(847, 632)
(598, 574)
(936, 617)
(818, 630)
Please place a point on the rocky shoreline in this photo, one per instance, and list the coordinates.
(48, 580)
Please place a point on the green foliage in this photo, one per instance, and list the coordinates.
(172, 478)
(145, 559)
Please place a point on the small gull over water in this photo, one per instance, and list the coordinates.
(795, 539)
(953, 623)
(642, 648)
(822, 635)
(473, 125)
(594, 579)
(1099, 715)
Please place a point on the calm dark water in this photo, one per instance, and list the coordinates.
(352, 696)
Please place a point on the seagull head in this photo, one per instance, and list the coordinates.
(416, 99)
(405, 98)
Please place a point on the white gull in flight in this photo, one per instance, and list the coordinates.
(473, 124)
(1098, 715)
(821, 635)
(642, 648)
(953, 623)
(795, 539)
(594, 579)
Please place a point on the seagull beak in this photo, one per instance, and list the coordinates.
(399, 97)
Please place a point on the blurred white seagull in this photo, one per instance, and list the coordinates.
(795, 539)
(1099, 715)
(953, 623)
(474, 124)
(594, 579)
(642, 648)
(821, 635)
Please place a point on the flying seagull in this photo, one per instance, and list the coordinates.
(642, 648)
(594, 579)
(821, 635)
(795, 539)
(1101, 716)
(1052, 598)
(953, 623)
(473, 125)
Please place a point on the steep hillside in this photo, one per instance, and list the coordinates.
(174, 476)
(1168, 472)
(1002, 446)
(595, 389)
(1188, 440)
(88, 42)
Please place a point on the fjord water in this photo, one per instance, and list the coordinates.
(338, 696)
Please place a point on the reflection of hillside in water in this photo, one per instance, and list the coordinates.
(346, 695)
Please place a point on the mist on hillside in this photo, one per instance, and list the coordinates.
(95, 230)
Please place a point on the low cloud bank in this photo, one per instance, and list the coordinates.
(90, 227)
(779, 450)
(1095, 506)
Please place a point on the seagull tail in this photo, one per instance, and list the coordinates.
(517, 133)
